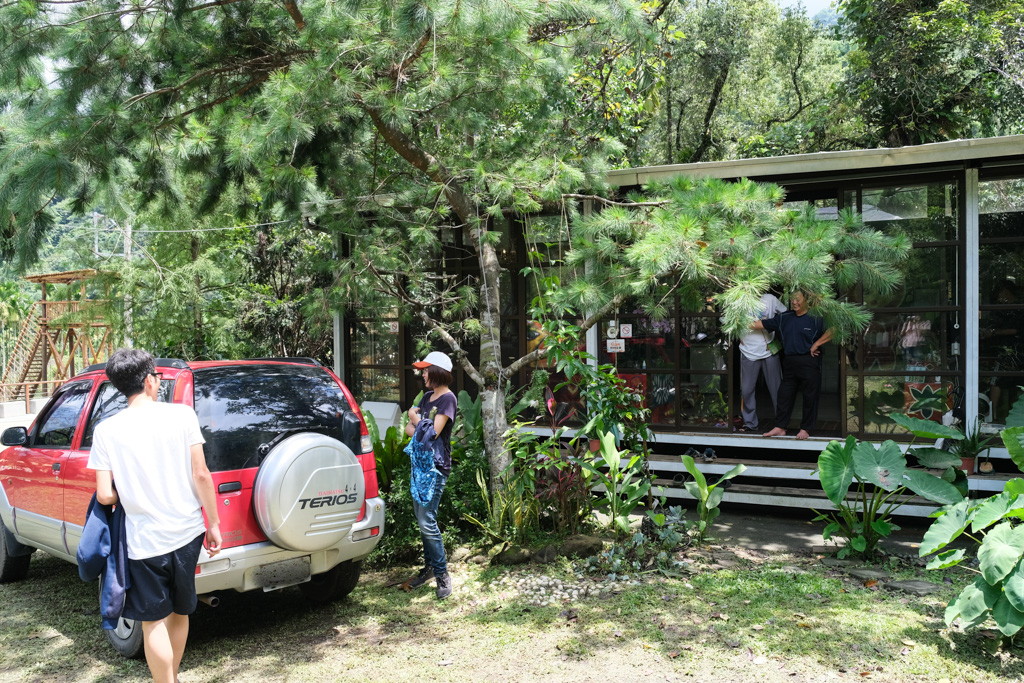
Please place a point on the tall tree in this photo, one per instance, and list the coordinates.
(931, 70)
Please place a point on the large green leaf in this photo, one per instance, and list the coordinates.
(715, 497)
(1013, 586)
(1014, 486)
(882, 466)
(697, 475)
(1008, 618)
(835, 468)
(935, 489)
(926, 429)
(734, 472)
(994, 509)
(1000, 551)
(952, 522)
(1013, 439)
(935, 458)
(944, 560)
(977, 598)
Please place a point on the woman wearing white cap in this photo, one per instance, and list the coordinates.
(439, 404)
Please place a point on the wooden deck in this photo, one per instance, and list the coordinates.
(781, 472)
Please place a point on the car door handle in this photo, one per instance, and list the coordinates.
(56, 467)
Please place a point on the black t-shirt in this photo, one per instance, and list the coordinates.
(446, 404)
(798, 332)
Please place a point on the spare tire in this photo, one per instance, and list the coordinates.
(308, 492)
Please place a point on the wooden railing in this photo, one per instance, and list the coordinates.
(32, 390)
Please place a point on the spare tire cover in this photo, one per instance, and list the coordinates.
(308, 492)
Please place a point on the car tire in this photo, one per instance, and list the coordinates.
(12, 567)
(126, 637)
(333, 584)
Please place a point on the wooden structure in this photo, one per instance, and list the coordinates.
(953, 328)
(57, 339)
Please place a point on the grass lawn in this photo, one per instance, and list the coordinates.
(761, 618)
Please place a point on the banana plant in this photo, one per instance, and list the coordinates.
(624, 487)
(708, 496)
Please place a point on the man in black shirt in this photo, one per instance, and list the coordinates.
(802, 336)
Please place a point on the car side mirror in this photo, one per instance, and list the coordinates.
(14, 436)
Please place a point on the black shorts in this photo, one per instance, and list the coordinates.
(163, 584)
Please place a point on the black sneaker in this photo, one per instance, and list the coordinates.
(425, 575)
(444, 585)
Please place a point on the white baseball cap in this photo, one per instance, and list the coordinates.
(437, 358)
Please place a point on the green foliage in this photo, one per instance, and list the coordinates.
(884, 482)
(623, 486)
(708, 497)
(935, 70)
(728, 241)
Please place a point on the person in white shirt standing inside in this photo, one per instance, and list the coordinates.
(755, 358)
(149, 459)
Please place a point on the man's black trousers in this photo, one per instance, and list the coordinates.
(799, 373)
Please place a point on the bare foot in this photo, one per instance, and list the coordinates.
(778, 431)
(802, 435)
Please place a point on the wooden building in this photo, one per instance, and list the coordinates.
(956, 325)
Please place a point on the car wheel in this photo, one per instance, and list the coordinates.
(126, 637)
(333, 584)
(12, 567)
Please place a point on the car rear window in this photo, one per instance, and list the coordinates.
(243, 407)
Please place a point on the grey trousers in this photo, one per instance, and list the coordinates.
(749, 371)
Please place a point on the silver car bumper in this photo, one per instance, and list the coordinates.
(243, 568)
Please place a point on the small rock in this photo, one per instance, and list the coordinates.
(545, 555)
(459, 554)
(825, 549)
(581, 546)
(865, 574)
(512, 556)
(478, 559)
(836, 562)
(914, 587)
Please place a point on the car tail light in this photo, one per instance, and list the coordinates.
(363, 431)
(366, 533)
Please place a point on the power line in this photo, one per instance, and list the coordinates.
(233, 227)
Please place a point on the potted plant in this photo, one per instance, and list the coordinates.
(971, 446)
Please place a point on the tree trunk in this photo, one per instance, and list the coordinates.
(495, 426)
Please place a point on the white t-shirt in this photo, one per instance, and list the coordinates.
(147, 448)
(754, 344)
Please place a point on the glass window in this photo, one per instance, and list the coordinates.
(241, 408)
(927, 397)
(375, 384)
(374, 342)
(57, 429)
(110, 401)
(925, 213)
(921, 342)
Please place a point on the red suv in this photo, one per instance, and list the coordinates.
(291, 459)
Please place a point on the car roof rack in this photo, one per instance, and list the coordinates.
(159, 362)
(290, 359)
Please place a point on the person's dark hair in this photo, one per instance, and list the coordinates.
(438, 377)
(127, 370)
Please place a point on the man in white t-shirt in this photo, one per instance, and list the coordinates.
(149, 459)
(757, 358)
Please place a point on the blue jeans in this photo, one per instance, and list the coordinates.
(426, 516)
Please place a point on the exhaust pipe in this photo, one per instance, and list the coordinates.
(209, 599)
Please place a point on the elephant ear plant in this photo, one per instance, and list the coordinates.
(995, 524)
(883, 481)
